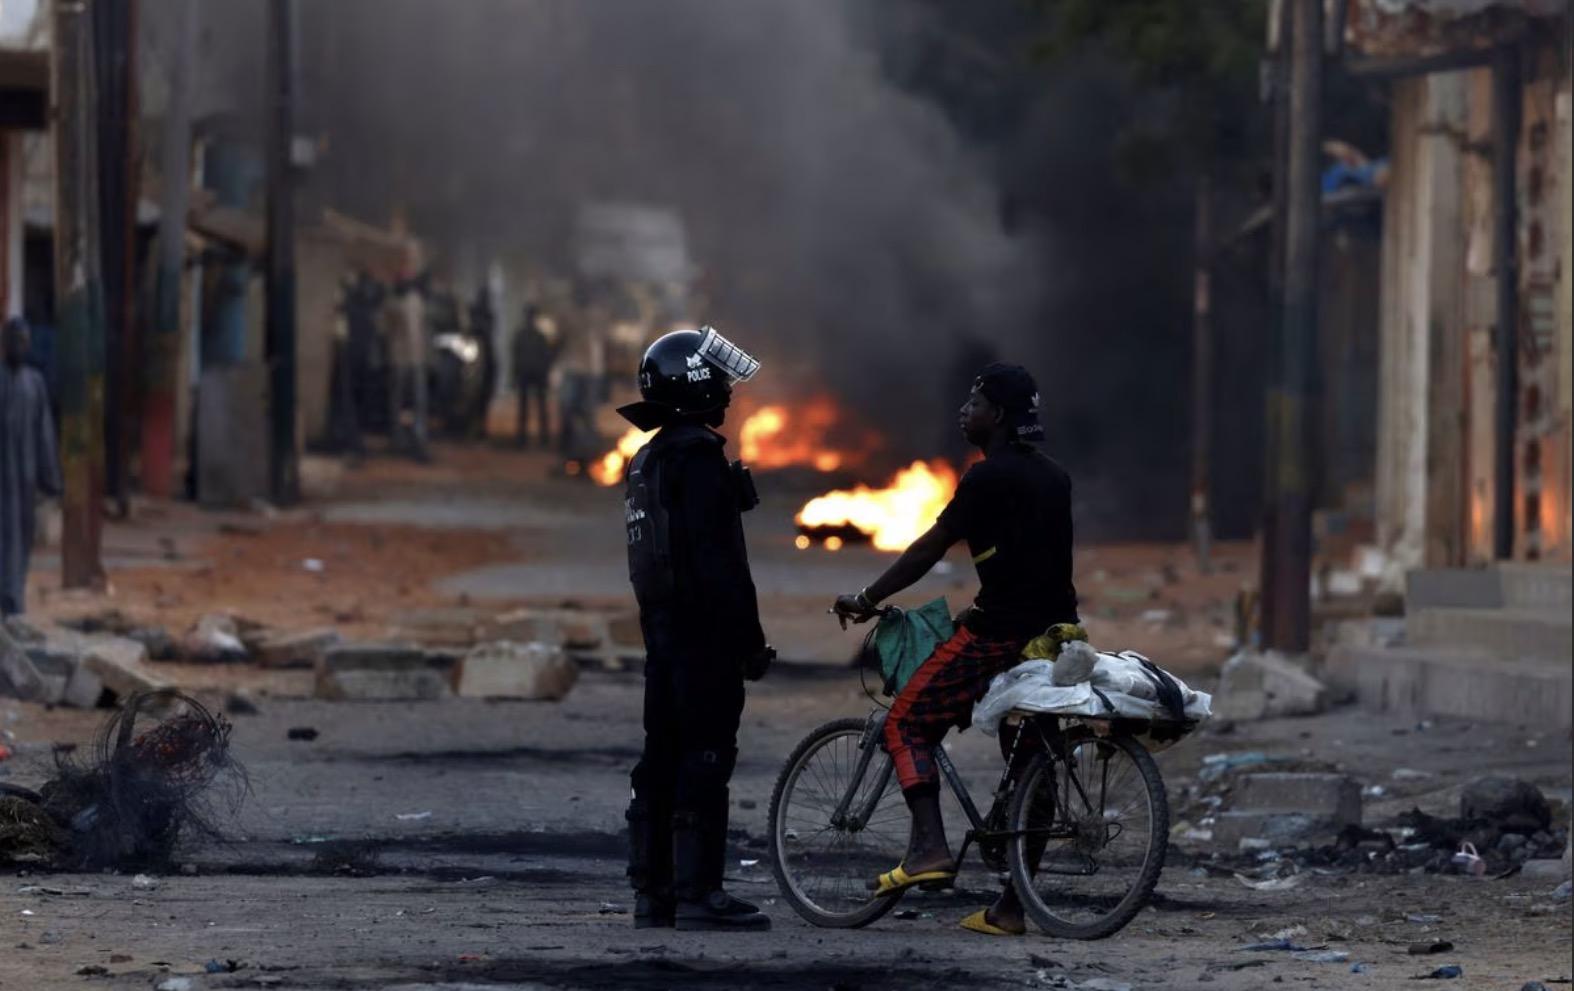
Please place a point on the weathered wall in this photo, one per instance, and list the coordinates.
(1421, 315)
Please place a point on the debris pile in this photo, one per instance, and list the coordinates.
(157, 771)
(1268, 819)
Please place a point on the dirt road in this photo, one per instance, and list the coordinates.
(466, 844)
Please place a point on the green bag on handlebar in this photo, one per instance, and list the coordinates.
(906, 638)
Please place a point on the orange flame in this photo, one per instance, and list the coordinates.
(894, 516)
(778, 436)
(607, 470)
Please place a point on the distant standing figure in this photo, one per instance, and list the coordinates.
(407, 342)
(483, 323)
(582, 363)
(29, 462)
(532, 369)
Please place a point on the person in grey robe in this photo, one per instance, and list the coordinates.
(29, 462)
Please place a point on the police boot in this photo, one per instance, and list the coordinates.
(702, 904)
(650, 865)
(716, 845)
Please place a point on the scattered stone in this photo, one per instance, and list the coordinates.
(92, 970)
(379, 672)
(1255, 685)
(215, 639)
(445, 627)
(1428, 948)
(175, 984)
(18, 677)
(306, 733)
(1288, 807)
(143, 882)
(292, 650)
(1563, 892)
(67, 681)
(22, 631)
(1512, 805)
(120, 958)
(1447, 973)
(118, 662)
(513, 670)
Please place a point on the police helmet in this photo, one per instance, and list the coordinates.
(687, 373)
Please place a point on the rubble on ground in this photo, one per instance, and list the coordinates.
(380, 672)
(1306, 815)
(1262, 685)
(214, 639)
(506, 669)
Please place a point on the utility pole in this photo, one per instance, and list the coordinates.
(283, 463)
(1281, 30)
(114, 28)
(1202, 373)
(79, 305)
(162, 370)
(1292, 402)
(1506, 99)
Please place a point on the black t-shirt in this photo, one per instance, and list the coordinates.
(1014, 511)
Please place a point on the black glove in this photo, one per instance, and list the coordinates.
(755, 667)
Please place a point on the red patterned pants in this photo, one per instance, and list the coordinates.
(940, 695)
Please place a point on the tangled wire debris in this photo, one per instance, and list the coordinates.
(159, 769)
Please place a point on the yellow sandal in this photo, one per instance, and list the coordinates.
(897, 881)
(979, 922)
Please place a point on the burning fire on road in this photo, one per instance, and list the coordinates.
(607, 470)
(890, 518)
(814, 434)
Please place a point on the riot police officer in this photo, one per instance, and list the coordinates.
(701, 624)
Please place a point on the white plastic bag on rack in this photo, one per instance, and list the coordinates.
(1118, 688)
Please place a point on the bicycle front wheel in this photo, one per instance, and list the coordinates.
(1090, 835)
(823, 862)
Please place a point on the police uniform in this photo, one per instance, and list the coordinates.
(700, 619)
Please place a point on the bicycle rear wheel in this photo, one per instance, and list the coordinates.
(1091, 836)
(823, 867)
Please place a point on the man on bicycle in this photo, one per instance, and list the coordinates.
(1014, 510)
(701, 624)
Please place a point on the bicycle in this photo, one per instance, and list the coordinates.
(1080, 822)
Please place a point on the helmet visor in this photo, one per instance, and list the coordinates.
(734, 362)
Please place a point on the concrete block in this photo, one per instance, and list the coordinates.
(1453, 588)
(1545, 634)
(514, 670)
(83, 688)
(1335, 796)
(1279, 828)
(1256, 685)
(19, 678)
(67, 680)
(379, 672)
(457, 626)
(291, 650)
(528, 626)
(119, 664)
(1435, 681)
(54, 667)
(1537, 586)
(575, 629)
